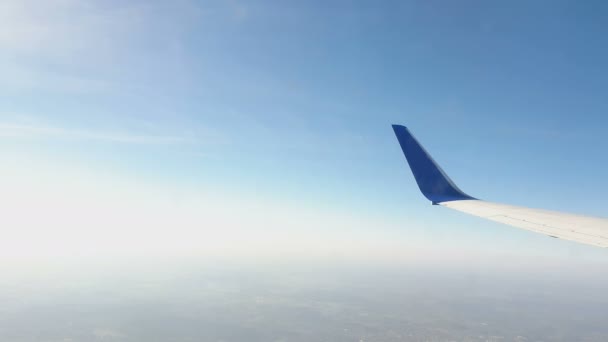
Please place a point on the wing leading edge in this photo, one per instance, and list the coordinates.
(437, 187)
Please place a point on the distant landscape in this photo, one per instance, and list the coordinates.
(294, 302)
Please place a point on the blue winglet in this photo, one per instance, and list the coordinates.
(432, 180)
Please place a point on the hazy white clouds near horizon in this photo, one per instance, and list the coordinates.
(71, 213)
(54, 211)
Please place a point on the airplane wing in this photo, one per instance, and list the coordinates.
(438, 188)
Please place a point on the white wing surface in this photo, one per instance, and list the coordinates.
(583, 229)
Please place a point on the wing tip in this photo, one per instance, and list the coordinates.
(433, 182)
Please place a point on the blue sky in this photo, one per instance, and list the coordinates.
(286, 107)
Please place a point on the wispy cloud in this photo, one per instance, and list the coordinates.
(37, 131)
(73, 44)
